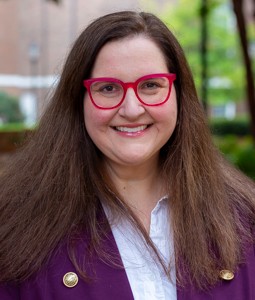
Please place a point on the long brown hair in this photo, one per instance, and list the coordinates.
(52, 187)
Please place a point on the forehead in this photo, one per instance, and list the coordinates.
(134, 54)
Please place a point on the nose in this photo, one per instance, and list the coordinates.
(131, 108)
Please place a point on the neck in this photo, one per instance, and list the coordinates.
(140, 187)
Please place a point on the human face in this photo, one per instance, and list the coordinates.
(133, 133)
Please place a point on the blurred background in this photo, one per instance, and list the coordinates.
(218, 37)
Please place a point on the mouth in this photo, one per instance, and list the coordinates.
(131, 129)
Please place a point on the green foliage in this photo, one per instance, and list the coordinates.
(251, 38)
(183, 20)
(9, 109)
(225, 71)
(239, 127)
(239, 151)
(15, 127)
(224, 57)
(233, 138)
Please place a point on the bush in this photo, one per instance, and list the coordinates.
(240, 151)
(239, 127)
(7, 127)
(246, 161)
(9, 109)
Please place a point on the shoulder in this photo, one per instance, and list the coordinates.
(45, 284)
(59, 279)
(239, 285)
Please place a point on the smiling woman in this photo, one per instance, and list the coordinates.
(120, 193)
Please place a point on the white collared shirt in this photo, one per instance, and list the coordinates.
(146, 276)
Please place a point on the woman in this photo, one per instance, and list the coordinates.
(120, 193)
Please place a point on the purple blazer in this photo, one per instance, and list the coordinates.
(112, 283)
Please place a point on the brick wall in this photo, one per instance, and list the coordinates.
(51, 27)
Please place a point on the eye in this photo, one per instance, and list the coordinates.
(107, 89)
(150, 85)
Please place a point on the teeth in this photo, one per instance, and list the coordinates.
(131, 130)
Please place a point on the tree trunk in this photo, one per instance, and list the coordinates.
(250, 89)
(204, 62)
(254, 10)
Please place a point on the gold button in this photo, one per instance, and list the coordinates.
(70, 279)
(226, 275)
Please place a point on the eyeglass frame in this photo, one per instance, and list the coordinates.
(125, 85)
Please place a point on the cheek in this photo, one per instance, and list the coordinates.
(167, 122)
(167, 114)
(87, 112)
(172, 109)
(95, 118)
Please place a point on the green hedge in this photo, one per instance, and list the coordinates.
(7, 127)
(239, 127)
(10, 109)
(233, 138)
(238, 150)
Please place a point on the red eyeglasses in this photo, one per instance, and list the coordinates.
(109, 93)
